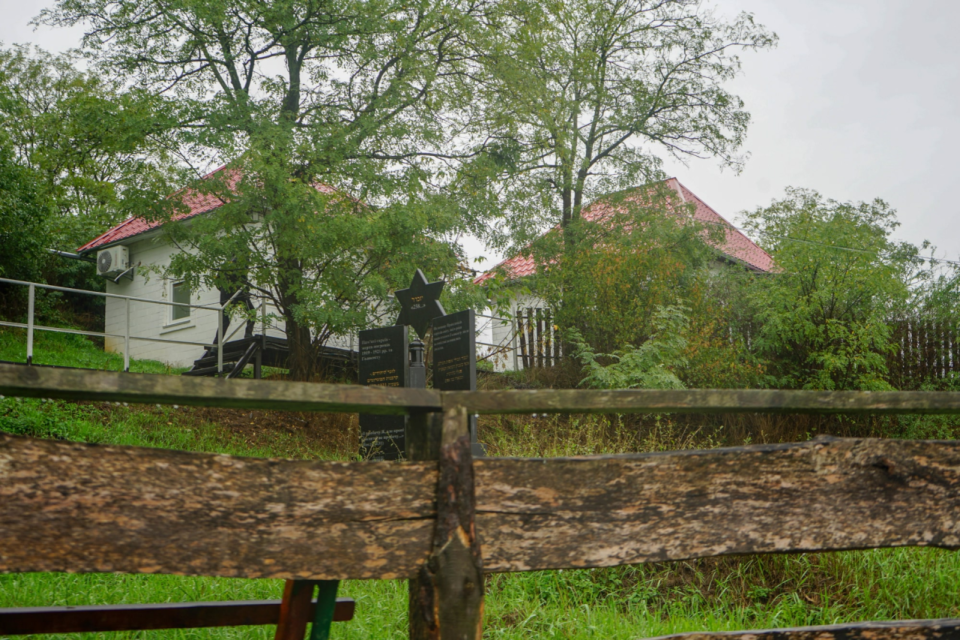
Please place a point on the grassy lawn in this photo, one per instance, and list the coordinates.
(69, 350)
(624, 602)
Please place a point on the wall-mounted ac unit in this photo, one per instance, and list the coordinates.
(113, 261)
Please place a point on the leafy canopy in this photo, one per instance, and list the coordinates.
(584, 95)
(357, 95)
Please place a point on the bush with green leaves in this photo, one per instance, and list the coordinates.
(652, 365)
(608, 280)
(824, 315)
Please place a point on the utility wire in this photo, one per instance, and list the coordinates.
(839, 248)
(829, 246)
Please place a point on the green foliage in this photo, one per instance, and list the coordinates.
(824, 316)
(84, 135)
(24, 220)
(641, 255)
(652, 365)
(80, 140)
(366, 102)
(583, 94)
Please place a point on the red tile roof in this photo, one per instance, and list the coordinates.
(197, 202)
(735, 245)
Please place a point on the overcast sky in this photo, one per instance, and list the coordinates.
(858, 101)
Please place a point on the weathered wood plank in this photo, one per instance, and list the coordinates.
(703, 401)
(66, 384)
(827, 494)
(897, 630)
(132, 617)
(36, 382)
(84, 508)
(72, 507)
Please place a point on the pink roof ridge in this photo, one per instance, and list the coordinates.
(735, 245)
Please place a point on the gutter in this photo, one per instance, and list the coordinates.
(72, 256)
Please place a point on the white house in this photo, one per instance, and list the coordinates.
(146, 246)
(515, 336)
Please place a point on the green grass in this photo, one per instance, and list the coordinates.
(617, 603)
(70, 350)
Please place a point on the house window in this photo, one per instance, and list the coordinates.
(180, 294)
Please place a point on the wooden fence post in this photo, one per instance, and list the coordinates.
(446, 598)
(422, 442)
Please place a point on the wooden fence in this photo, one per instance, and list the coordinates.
(441, 520)
(926, 349)
(537, 339)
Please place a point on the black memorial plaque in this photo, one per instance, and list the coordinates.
(455, 352)
(383, 363)
(455, 361)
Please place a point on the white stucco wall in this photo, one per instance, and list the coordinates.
(155, 320)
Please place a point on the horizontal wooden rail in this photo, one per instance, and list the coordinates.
(85, 508)
(131, 617)
(33, 382)
(25, 381)
(703, 401)
(897, 630)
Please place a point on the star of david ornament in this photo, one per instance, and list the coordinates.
(420, 303)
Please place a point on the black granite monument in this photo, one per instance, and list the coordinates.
(388, 359)
(455, 360)
(384, 362)
(455, 352)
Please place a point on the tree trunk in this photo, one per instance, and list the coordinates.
(302, 357)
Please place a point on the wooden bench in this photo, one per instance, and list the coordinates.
(178, 615)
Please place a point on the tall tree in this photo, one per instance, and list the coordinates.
(84, 135)
(583, 95)
(80, 139)
(354, 94)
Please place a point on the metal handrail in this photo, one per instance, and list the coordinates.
(32, 327)
(208, 307)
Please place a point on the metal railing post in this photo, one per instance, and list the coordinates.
(513, 346)
(126, 336)
(220, 339)
(31, 297)
(263, 317)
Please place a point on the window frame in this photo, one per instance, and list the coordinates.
(179, 306)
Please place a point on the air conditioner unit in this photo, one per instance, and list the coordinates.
(113, 261)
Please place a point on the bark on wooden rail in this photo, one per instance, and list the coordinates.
(898, 630)
(71, 507)
(703, 401)
(82, 508)
(66, 384)
(827, 494)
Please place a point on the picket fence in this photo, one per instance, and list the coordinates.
(926, 350)
(441, 520)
